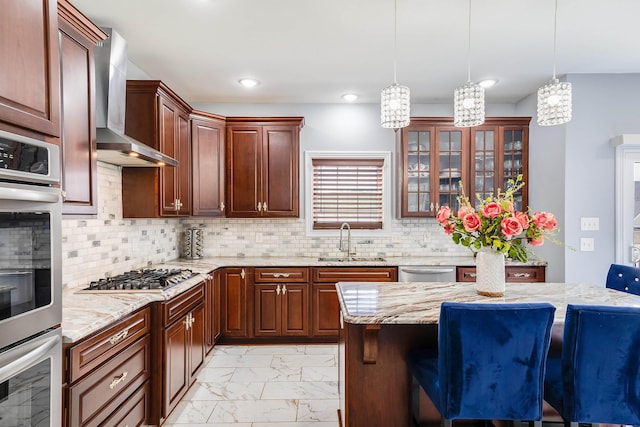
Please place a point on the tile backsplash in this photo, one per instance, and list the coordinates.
(109, 244)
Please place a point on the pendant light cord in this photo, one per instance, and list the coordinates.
(469, 47)
(395, 40)
(555, 37)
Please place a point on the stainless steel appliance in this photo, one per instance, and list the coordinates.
(147, 280)
(425, 273)
(30, 382)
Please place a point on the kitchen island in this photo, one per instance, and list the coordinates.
(380, 323)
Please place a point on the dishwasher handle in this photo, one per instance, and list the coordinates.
(428, 270)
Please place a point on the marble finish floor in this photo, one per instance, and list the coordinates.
(263, 386)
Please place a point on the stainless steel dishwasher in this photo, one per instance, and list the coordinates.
(425, 273)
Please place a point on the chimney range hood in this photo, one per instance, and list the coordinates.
(111, 90)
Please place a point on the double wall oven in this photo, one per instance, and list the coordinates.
(30, 282)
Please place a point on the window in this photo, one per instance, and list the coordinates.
(346, 189)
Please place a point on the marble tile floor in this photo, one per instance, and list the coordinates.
(263, 386)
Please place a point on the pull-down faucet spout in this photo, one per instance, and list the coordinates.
(341, 244)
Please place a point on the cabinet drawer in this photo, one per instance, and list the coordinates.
(525, 274)
(466, 274)
(101, 392)
(182, 304)
(90, 353)
(281, 275)
(133, 412)
(354, 274)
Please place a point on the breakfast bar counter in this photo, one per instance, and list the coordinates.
(381, 322)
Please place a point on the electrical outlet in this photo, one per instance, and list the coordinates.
(589, 223)
(587, 244)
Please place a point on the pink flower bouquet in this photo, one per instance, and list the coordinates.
(496, 224)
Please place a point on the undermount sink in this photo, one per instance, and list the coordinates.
(352, 259)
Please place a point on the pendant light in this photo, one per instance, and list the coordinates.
(395, 100)
(554, 98)
(468, 100)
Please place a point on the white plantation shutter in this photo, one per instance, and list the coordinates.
(347, 190)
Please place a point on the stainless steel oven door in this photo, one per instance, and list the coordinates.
(30, 260)
(31, 382)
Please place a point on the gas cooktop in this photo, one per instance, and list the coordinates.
(147, 280)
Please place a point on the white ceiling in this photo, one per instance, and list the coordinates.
(313, 51)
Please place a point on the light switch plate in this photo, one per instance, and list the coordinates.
(587, 244)
(589, 223)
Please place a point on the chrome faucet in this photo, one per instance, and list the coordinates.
(348, 252)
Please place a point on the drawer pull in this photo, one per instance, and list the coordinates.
(284, 289)
(470, 274)
(521, 275)
(278, 290)
(278, 275)
(118, 380)
(118, 337)
(242, 274)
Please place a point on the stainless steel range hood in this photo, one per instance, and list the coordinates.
(111, 90)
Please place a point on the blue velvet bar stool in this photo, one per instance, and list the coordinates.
(490, 362)
(624, 278)
(596, 379)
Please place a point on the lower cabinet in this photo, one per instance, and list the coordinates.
(182, 345)
(212, 310)
(513, 273)
(108, 374)
(325, 309)
(235, 302)
(281, 301)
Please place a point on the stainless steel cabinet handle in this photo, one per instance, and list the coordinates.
(522, 275)
(26, 360)
(118, 337)
(118, 380)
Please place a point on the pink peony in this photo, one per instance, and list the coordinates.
(449, 227)
(471, 222)
(464, 210)
(523, 219)
(491, 210)
(444, 213)
(511, 227)
(545, 220)
(536, 241)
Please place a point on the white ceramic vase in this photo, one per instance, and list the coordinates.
(490, 273)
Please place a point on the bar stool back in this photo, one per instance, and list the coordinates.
(624, 278)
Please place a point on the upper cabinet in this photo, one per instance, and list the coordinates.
(78, 37)
(207, 149)
(435, 158)
(30, 86)
(262, 167)
(156, 116)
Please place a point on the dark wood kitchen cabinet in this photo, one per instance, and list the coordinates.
(181, 322)
(30, 77)
(236, 302)
(78, 37)
(212, 310)
(108, 374)
(434, 158)
(207, 147)
(325, 308)
(281, 302)
(156, 116)
(262, 170)
(513, 273)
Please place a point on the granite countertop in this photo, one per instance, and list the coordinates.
(416, 303)
(85, 313)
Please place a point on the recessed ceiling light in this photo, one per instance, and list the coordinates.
(488, 83)
(349, 97)
(248, 83)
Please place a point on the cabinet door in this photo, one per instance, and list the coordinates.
(30, 86)
(244, 151)
(78, 142)
(209, 303)
(169, 145)
(234, 303)
(267, 310)
(197, 345)
(452, 151)
(183, 170)
(217, 314)
(280, 174)
(485, 176)
(416, 171)
(514, 161)
(207, 145)
(176, 339)
(295, 310)
(325, 310)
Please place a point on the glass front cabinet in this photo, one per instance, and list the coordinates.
(435, 159)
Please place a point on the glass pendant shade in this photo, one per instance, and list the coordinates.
(554, 103)
(468, 105)
(395, 110)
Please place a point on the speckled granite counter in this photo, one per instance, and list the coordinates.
(416, 303)
(83, 314)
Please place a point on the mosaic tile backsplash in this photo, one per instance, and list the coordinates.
(109, 244)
